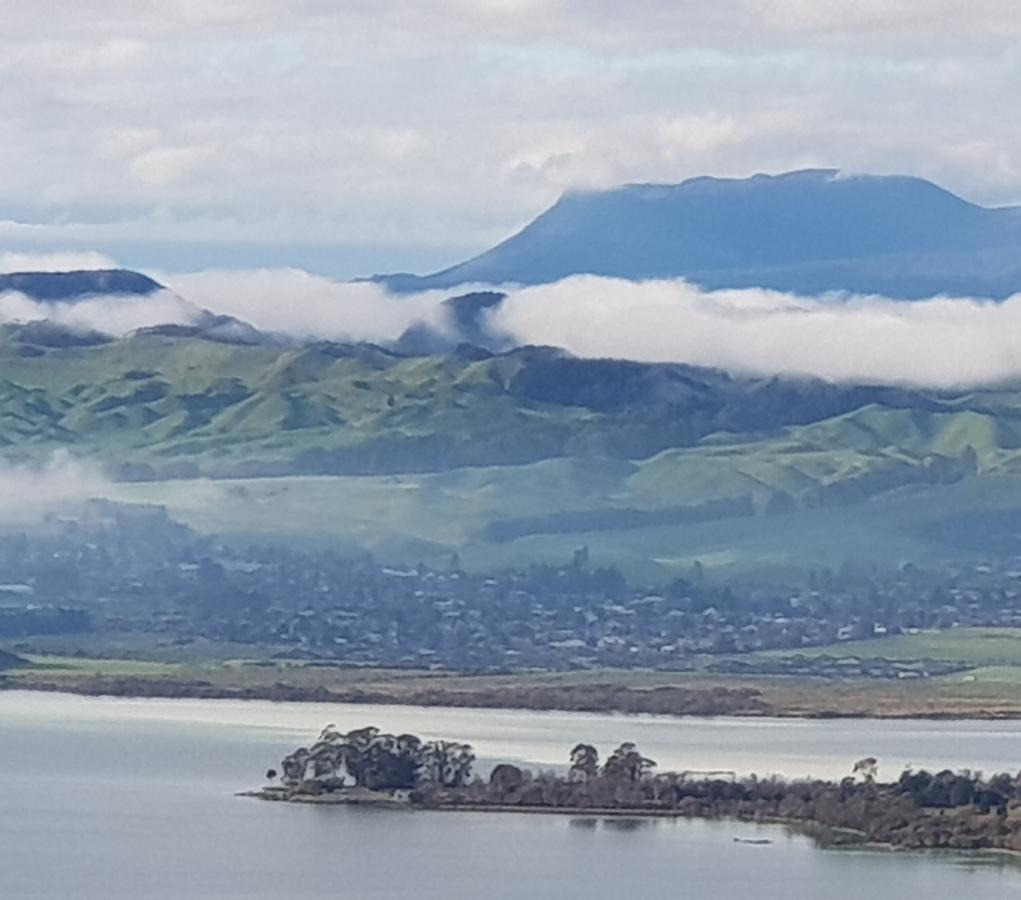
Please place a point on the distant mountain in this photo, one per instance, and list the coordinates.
(809, 231)
(70, 286)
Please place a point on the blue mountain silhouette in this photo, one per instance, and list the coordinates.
(809, 231)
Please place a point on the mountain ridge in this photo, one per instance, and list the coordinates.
(809, 231)
(71, 285)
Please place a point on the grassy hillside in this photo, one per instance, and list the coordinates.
(528, 455)
(426, 517)
(155, 406)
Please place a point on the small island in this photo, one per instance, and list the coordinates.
(920, 810)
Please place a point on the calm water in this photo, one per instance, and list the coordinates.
(116, 799)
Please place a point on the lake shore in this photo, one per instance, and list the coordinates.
(187, 763)
(626, 692)
(824, 834)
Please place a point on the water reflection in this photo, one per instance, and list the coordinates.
(611, 823)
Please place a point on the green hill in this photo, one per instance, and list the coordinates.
(154, 406)
(520, 456)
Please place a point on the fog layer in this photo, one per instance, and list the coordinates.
(941, 342)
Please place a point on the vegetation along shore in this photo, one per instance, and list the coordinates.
(919, 810)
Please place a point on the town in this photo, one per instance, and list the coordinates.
(123, 570)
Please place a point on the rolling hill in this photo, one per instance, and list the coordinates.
(524, 455)
(164, 403)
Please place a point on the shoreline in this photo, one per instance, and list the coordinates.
(852, 838)
(138, 688)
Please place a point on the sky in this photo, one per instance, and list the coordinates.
(347, 138)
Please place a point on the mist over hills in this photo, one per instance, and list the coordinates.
(778, 241)
(807, 232)
(451, 437)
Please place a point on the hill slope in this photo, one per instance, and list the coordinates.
(160, 404)
(808, 232)
(69, 286)
(519, 456)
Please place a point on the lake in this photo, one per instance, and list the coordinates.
(109, 799)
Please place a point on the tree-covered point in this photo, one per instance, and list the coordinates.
(963, 810)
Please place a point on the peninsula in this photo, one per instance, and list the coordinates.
(951, 810)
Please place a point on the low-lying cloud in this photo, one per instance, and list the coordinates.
(301, 305)
(941, 342)
(288, 302)
(66, 261)
(114, 315)
(29, 493)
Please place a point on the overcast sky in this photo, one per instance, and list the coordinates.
(355, 136)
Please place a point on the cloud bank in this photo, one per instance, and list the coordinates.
(113, 315)
(940, 342)
(287, 302)
(67, 261)
(301, 305)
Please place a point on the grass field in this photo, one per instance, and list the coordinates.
(992, 689)
(979, 647)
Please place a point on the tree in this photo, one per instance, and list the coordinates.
(447, 763)
(295, 766)
(867, 768)
(584, 763)
(505, 779)
(627, 763)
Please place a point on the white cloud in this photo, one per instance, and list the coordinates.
(288, 302)
(114, 315)
(78, 59)
(69, 261)
(939, 342)
(162, 166)
(296, 303)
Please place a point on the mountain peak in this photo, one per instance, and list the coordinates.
(808, 231)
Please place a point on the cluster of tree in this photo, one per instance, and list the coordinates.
(949, 790)
(369, 758)
(961, 810)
